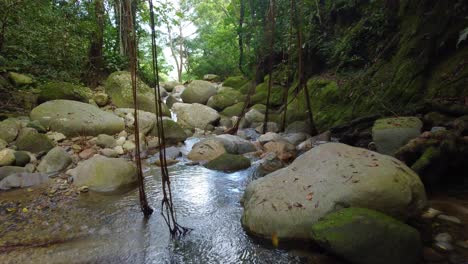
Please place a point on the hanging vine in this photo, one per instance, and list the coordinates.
(131, 41)
(168, 210)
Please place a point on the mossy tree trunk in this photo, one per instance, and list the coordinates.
(95, 67)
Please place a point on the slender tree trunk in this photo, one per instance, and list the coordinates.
(271, 15)
(241, 35)
(94, 74)
(288, 66)
(302, 83)
(181, 53)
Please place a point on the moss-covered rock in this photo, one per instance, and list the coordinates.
(74, 118)
(22, 158)
(119, 87)
(19, 79)
(228, 163)
(259, 107)
(212, 77)
(169, 86)
(235, 82)
(30, 140)
(364, 236)
(102, 174)
(57, 159)
(389, 134)
(198, 92)
(261, 94)
(224, 98)
(9, 130)
(173, 133)
(64, 90)
(233, 110)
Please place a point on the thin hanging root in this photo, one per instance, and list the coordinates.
(131, 41)
(167, 205)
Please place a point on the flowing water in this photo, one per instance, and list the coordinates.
(116, 232)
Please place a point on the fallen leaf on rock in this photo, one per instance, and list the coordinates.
(310, 196)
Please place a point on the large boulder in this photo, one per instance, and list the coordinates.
(389, 134)
(63, 90)
(235, 82)
(289, 201)
(284, 150)
(31, 140)
(206, 150)
(173, 133)
(23, 180)
(76, 119)
(146, 120)
(9, 130)
(119, 88)
(56, 159)
(235, 144)
(102, 174)
(233, 110)
(364, 236)
(8, 170)
(228, 163)
(169, 86)
(3, 144)
(254, 116)
(224, 98)
(7, 157)
(195, 115)
(198, 92)
(212, 77)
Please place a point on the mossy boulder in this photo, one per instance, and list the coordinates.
(261, 94)
(31, 140)
(259, 107)
(119, 87)
(63, 90)
(389, 134)
(22, 158)
(195, 115)
(212, 77)
(225, 97)
(9, 130)
(207, 149)
(57, 159)
(290, 200)
(233, 110)
(169, 86)
(198, 91)
(74, 118)
(235, 82)
(102, 174)
(173, 133)
(228, 163)
(7, 157)
(363, 236)
(19, 79)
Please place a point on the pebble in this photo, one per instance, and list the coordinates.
(87, 153)
(76, 147)
(119, 150)
(443, 246)
(443, 237)
(431, 213)
(449, 218)
(120, 141)
(83, 189)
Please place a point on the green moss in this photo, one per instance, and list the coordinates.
(426, 159)
(259, 107)
(235, 82)
(172, 131)
(19, 79)
(397, 122)
(261, 94)
(234, 110)
(226, 97)
(64, 90)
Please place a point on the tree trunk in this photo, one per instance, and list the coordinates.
(95, 68)
(300, 66)
(240, 35)
(271, 15)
